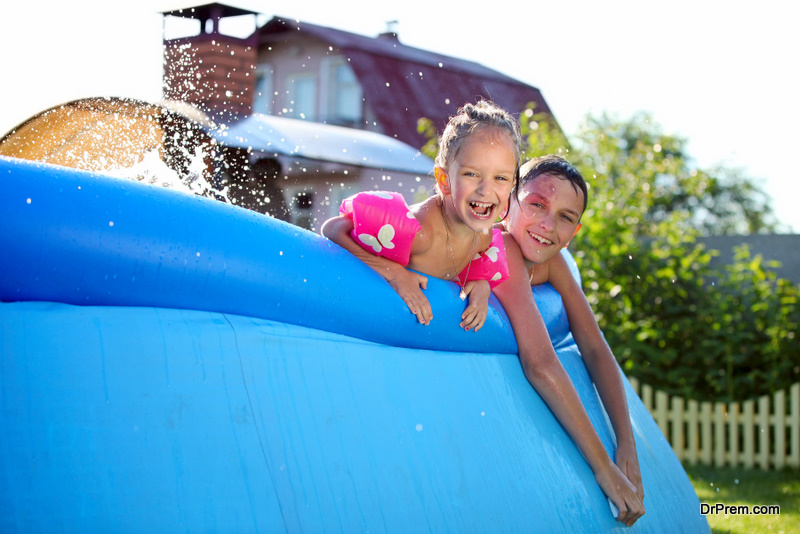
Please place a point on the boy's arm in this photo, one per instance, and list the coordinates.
(600, 363)
(545, 373)
(406, 283)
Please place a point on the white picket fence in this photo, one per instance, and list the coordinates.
(763, 432)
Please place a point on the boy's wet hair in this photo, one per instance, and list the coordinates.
(554, 166)
(470, 119)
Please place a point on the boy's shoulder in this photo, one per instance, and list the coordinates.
(551, 270)
(541, 273)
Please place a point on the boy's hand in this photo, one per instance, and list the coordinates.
(622, 493)
(474, 316)
(409, 285)
(628, 462)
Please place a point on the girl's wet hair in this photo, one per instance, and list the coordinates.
(554, 166)
(473, 118)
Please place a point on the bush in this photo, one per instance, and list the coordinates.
(672, 321)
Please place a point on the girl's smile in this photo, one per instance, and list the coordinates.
(479, 179)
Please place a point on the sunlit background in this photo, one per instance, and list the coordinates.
(721, 74)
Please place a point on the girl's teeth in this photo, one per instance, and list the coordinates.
(481, 208)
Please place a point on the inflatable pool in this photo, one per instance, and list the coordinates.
(169, 363)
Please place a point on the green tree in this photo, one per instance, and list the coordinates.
(672, 320)
(719, 201)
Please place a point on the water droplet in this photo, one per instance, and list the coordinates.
(419, 427)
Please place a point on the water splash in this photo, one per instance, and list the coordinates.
(152, 170)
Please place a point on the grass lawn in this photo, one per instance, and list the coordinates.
(751, 487)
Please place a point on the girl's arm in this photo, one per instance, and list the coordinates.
(601, 364)
(406, 283)
(545, 373)
(474, 316)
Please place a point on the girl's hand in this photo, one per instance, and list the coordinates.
(628, 462)
(405, 282)
(409, 286)
(622, 493)
(474, 316)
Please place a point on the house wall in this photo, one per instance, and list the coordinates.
(284, 61)
(220, 74)
(287, 58)
(330, 183)
(784, 248)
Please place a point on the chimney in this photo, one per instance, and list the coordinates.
(391, 32)
(211, 70)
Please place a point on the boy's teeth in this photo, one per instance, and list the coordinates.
(541, 239)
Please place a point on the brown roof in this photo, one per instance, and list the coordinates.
(402, 83)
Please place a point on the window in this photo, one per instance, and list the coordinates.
(263, 99)
(336, 194)
(302, 214)
(344, 99)
(301, 90)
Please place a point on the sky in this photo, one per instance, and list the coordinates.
(722, 74)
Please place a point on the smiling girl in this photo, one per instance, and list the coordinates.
(475, 170)
(449, 235)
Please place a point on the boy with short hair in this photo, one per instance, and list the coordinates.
(543, 218)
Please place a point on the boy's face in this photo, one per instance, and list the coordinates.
(546, 216)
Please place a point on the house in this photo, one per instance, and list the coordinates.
(329, 88)
(783, 248)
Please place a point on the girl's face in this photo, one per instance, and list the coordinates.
(545, 217)
(478, 181)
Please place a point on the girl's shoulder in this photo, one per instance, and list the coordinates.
(423, 210)
(427, 214)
